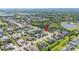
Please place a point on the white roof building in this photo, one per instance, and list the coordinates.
(7, 46)
(4, 38)
(20, 41)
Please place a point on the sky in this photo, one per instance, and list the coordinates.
(39, 3)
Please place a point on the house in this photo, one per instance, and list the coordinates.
(65, 32)
(44, 34)
(77, 41)
(4, 38)
(70, 47)
(10, 32)
(8, 46)
(38, 31)
(9, 29)
(50, 40)
(23, 34)
(20, 42)
(57, 37)
(73, 43)
(30, 38)
(77, 20)
(30, 32)
(33, 48)
(24, 47)
(15, 36)
(37, 35)
(42, 45)
(1, 32)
